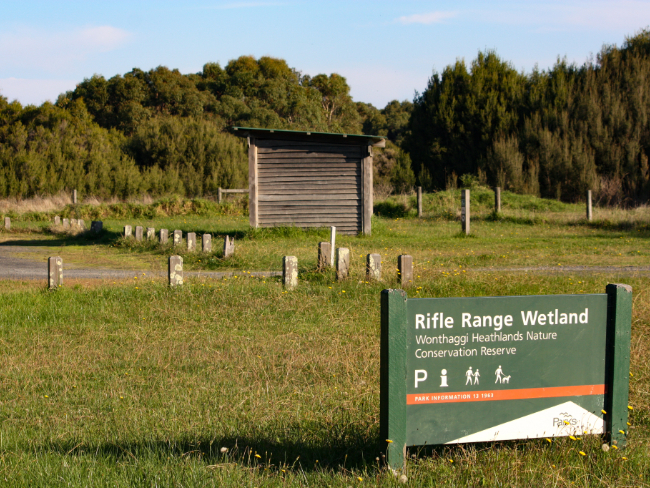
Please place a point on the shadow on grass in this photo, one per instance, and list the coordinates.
(351, 447)
(84, 239)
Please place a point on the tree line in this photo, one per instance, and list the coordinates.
(555, 132)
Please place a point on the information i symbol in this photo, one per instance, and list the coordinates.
(443, 378)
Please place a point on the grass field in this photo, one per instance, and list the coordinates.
(236, 382)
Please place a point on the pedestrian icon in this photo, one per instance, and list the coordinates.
(476, 377)
(470, 376)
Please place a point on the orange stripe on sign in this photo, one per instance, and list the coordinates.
(494, 395)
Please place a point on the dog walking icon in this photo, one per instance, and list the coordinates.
(501, 378)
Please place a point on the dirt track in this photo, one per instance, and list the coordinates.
(16, 268)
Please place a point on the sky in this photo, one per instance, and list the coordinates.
(387, 50)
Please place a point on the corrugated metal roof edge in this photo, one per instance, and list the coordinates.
(380, 140)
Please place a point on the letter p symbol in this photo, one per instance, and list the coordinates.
(420, 376)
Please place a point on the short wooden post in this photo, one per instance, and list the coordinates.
(219, 195)
(74, 197)
(619, 316)
(405, 270)
(96, 226)
(66, 223)
(590, 215)
(228, 247)
(7, 223)
(139, 233)
(175, 271)
(128, 231)
(151, 233)
(55, 272)
(57, 220)
(290, 272)
(163, 236)
(419, 201)
(324, 255)
(332, 244)
(81, 223)
(178, 237)
(373, 267)
(191, 241)
(206, 242)
(497, 199)
(342, 263)
(74, 222)
(464, 211)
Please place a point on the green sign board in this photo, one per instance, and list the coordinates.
(457, 370)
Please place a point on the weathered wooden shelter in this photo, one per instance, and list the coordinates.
(310, 179)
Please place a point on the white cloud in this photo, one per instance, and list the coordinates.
(247, 5)
(34, 92)
(57, 51)
(427, 18)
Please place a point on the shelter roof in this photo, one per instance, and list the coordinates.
(307, 136)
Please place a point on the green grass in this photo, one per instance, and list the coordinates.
(139, 385)
(134, 384)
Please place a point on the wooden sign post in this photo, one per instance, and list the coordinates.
(459, 370)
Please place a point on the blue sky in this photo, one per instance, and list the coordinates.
(386, 49)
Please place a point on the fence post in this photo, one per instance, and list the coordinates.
(342, 263)
(191, 241)
(55, 272)
(373, 267)
(219, 195)
(332, 244)
(175, 271)
(419, 201)
(206, 242)
(290, 272)
(497, 199)
(590, 215)
(74, 196)
(324, 255)
(7, 223)
(464, 211)
(405, 269)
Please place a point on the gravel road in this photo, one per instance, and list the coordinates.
(15, 268)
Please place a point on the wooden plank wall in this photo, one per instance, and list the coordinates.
(309, 184)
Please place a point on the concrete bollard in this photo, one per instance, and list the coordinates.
(405, 270)
(163, 236)
(57, 220)
(228, 247)
(332, 244)
(151, 233)
(206, 242)
(139, 233)
(178, 237)
(7, 223)
(82, 224)
(74, 222)
(342, 263)
(464, 211)
(55, 272)
(497, 199)
(175, 271)
(66, 223)
(324, 255)
(290, 272)
(128, 231)
(419, 201)
(96, 226)
(74, 197)
(191, 241)
(590, 214)
(373, 267)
